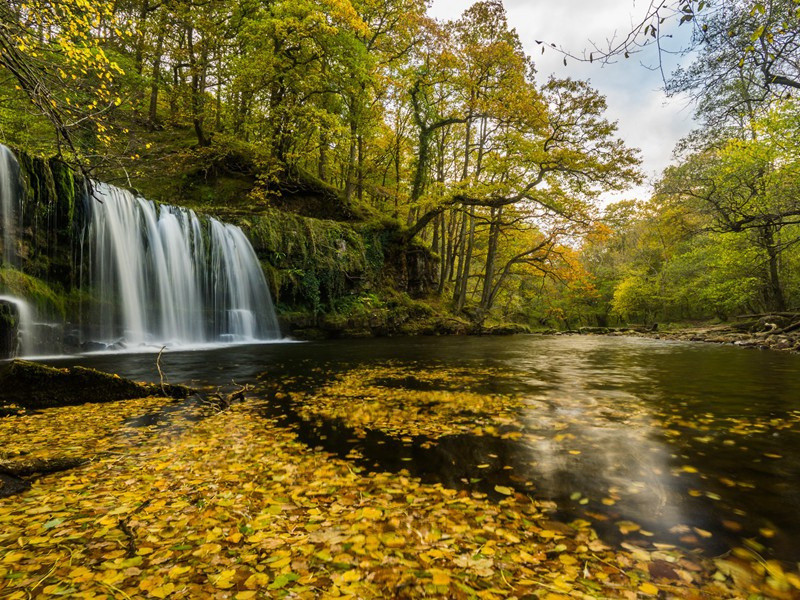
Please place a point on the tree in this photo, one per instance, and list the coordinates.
(748, 186)
(54, 52)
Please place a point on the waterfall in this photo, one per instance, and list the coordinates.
(167, 277)
(149, 275)
(9, 210)
(25, 329)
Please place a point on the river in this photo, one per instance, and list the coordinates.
(651, 441)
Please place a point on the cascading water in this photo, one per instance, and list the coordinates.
(9, 203)
(165, 276)
(149, 275)
(22, 330)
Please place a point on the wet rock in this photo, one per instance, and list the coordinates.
(32, 385)
(9, 329)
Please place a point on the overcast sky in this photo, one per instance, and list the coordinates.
(647, 118)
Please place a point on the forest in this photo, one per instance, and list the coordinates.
(444, 133)
(345, 299)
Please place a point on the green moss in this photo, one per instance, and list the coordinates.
(315, 262)
(42, 296)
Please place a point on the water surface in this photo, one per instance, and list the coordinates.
(652, 441)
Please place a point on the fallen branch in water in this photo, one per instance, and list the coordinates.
(220, 402)
(124, 526)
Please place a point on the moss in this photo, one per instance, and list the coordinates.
(315, 262)
(37, 292)
(32, 385)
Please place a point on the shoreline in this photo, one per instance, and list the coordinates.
(710, 334)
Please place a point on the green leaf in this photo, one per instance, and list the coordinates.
(281, 580)
(53, 523)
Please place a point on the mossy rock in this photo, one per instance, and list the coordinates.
(33, 385)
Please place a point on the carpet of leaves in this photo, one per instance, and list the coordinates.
(232, 505)
(445, 403)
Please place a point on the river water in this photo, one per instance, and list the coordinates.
(653, 442)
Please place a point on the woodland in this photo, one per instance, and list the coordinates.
(188, 187)
(441, 135)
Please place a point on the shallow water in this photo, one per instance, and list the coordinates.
(652, 441)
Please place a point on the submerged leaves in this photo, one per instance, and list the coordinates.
(406, 401)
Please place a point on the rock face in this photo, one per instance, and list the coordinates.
(33, 386)
(9, 329)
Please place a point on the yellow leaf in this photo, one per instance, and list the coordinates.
(223, 580)
(256, 580)
(177, 571)
(13, 557)
(501, 489)
(351, 576)
(648, 588)
(163, 591)
(440, 577)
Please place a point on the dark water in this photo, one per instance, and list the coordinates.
(697, 445)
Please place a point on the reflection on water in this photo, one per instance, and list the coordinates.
(651, 441)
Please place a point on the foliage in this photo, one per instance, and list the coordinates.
(55, 52)
(392, 116)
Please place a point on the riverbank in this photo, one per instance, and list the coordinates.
(764, 334)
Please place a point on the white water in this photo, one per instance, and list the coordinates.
(9, 218)
(156, 275)
(26, 342)
(8, 203)
(166, 277)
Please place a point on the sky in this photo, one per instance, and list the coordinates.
(647, 118)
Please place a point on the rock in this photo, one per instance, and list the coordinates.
(32, 385)
(9, 329)
(595, 330)
(10, 485)
(770, 323)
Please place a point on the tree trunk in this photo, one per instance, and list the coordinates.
(491, 253)
(776, 301)
(349, 186)
(197, 91)
(155, 79)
